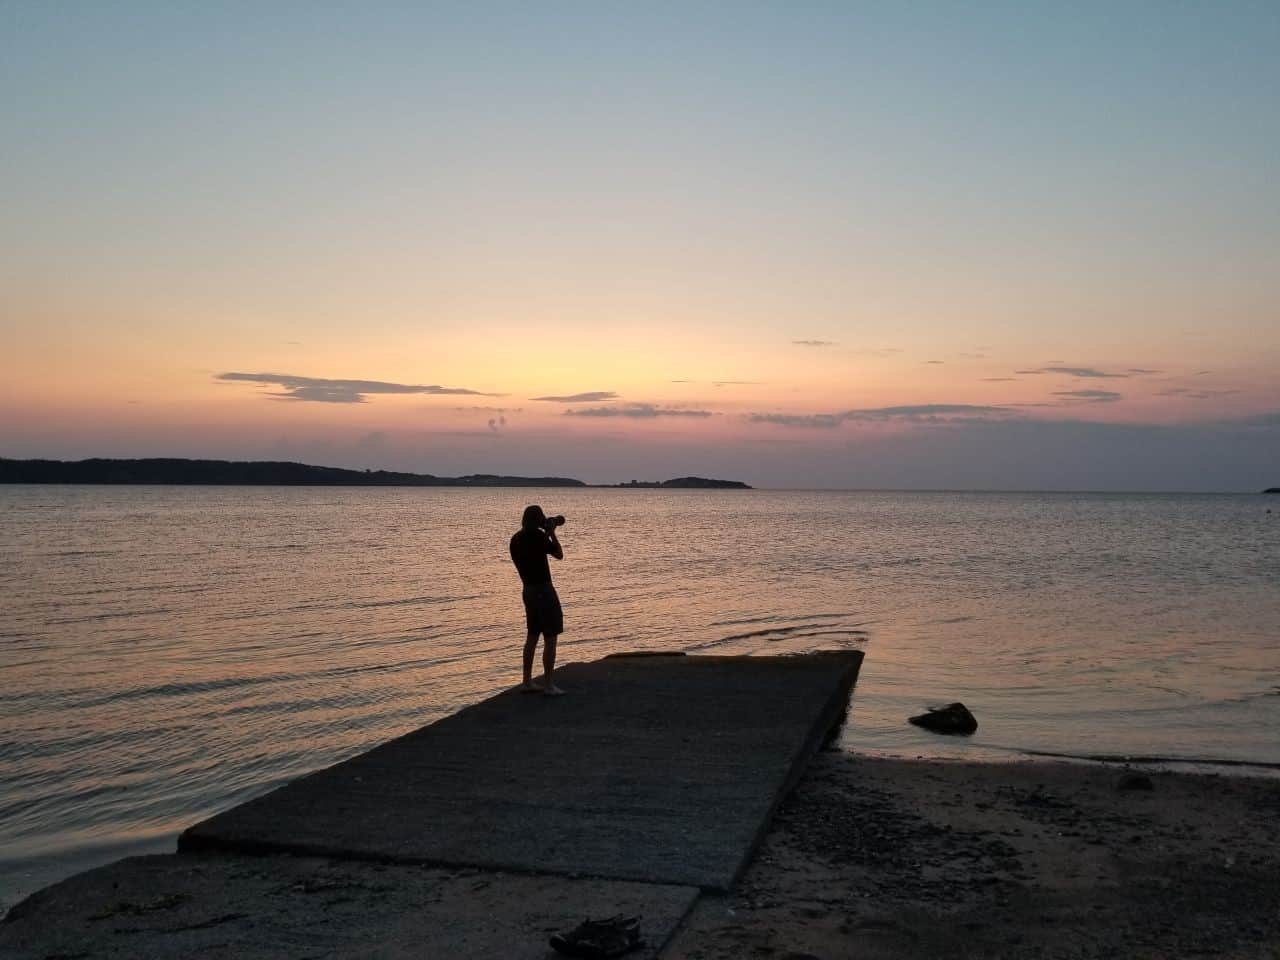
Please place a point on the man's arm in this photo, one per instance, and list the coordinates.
(554, 548)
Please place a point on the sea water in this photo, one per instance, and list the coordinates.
(166, 652)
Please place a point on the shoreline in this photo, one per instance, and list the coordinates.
(879, 857)
(1204, 766)
(897, 858)
(81, 859)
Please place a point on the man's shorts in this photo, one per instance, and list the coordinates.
(542, 613)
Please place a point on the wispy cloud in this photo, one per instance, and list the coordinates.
(638, 411)
(814, 343)
(722, 383)
(939, 362)
(324, 390)
(591, 396)
(928, 413)
(999, 379)
(1090, 396)
(489, 409)
(1087, 372)
(1187, 393)
(807, 420)
(1140, 371)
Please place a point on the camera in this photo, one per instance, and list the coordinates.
(550, 523)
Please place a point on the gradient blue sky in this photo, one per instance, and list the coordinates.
(918, 245)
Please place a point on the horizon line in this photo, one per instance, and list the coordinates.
(1261, 491)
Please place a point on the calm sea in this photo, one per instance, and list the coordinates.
(166, 652)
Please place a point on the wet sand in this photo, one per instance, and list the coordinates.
(884, 858)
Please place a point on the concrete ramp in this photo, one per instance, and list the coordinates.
(481, 834)
(664, 769)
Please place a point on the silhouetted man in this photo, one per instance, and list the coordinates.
(530, 547)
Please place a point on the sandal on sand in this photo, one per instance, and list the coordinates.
(610, 937)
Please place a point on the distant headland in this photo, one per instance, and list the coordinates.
(681, 483)
(1272, 490)
(279, 473)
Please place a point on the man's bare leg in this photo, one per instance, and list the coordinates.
(549, 665)
(530, 645)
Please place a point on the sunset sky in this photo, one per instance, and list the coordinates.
(996, 245)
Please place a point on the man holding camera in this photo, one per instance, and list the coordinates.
(530, 547)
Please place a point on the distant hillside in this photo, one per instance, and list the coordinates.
(1272, 490)
(173, 471)
(687, 483)
(704, 483)
(283, 473)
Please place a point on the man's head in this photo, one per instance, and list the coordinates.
(533, 517)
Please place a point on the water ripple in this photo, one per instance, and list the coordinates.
(170, 651)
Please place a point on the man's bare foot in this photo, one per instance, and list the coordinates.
(551, 690)
(531, 686)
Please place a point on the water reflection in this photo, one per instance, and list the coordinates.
(168, 651)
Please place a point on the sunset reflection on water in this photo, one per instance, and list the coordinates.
(170, 651)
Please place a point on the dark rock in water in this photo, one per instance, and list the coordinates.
(610, 937)
(1135, 781)
(953, 718)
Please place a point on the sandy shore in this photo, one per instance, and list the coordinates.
(886, 858)
(867, 858)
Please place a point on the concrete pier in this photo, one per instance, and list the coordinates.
(651, 779)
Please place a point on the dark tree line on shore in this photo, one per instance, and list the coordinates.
(265, 472)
